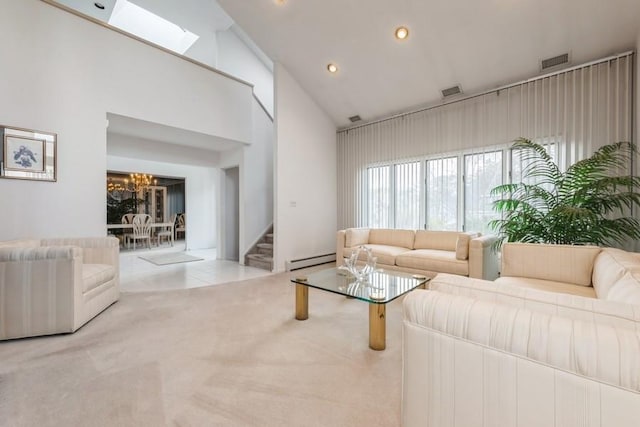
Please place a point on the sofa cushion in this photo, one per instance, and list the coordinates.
(94, 275)
(462, 245)
(390, 237)
(627, 289)
(356, 237)
(555, 303)
(610, 266)
(555, 263)
(441, 240)
(385, 254)
(433, 260)
(548, 285)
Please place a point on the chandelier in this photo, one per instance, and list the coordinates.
(138, 181)
(133, 184)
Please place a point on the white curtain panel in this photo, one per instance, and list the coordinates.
(434, 168)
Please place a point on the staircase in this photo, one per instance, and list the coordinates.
(261, 254)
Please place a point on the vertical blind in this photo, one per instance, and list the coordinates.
(434, 168)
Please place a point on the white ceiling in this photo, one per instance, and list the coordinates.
(479, 44)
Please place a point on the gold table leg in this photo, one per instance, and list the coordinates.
(302, 302)
(377, 326)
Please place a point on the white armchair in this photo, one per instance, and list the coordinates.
(52, 286)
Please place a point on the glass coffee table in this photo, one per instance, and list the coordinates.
(381, 288)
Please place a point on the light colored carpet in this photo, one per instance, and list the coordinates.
(227, 355)
(170, 258)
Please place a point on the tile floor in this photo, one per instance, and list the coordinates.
(138, 275)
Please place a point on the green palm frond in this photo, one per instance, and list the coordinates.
(578, 206)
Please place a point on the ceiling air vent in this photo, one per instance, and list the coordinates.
(555, 61)
(355, 119)
(450, 91)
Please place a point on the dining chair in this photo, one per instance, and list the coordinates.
(181, 227)
(141, 229)
(126, 233)
(167, 231)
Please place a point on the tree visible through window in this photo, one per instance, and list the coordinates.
(482, 172)
(407, 195)
(442, 194)
(378, 196)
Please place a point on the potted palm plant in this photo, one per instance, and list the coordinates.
(589, 203)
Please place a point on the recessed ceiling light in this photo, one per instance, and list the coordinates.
(402, 33)
(99, 5)
(280, 1)
(333, 68)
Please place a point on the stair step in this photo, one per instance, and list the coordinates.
(268, 237)
(259, 261)
(260, 257)
(265, 245)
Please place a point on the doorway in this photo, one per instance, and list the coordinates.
(231, 212)
(163, 198)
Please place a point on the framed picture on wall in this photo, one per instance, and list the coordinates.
(24, 154)
(27, 154)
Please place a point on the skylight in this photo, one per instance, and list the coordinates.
(146, 25)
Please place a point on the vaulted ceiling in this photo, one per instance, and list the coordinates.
(479, 44)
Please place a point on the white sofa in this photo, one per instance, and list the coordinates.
(52, 286)
(423, 251)
(554, 341)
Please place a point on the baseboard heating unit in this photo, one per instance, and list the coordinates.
(296, 264)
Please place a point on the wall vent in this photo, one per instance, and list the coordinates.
(355, 119)
(450, 91)
(555, 61)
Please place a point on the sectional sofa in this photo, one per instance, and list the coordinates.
(554, 341)
(423, 251)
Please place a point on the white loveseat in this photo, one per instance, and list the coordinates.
(554, 341)
(423, 251)
(52, 286)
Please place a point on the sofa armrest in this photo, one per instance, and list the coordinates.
(95, 250)
(483, 259)
(587, 349)
(340, 242)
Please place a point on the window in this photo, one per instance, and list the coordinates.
(482, 172)
(378, 196)
(407, 195)
(149, 26)
(428, 192)
(442, 194)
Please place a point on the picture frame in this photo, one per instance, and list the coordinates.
(27, 154)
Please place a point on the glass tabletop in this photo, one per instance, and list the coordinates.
(381, 286)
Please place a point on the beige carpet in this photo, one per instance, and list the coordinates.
(170, 258)
(228, 355)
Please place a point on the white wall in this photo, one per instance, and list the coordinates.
(256, 181)
(306, 170)
(62, 74)
(235, 58)
(201, 184)
(258, 178)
